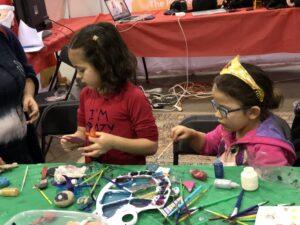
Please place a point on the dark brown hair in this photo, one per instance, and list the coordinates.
(104, 48)
(242, 92)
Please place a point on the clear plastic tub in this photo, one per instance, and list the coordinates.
(51, 217)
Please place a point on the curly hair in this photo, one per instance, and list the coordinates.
(104, 48)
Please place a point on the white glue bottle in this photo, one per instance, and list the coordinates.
(249, 179)
(224, 183)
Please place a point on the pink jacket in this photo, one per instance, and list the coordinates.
(263, 146)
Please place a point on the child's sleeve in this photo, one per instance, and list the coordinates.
(141, 116)
(212, 141)
(266, 155)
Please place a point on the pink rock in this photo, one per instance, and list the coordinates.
(189, 184)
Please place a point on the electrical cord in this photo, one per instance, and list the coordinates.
(53, 21)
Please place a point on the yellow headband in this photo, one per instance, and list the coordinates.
(235, 68)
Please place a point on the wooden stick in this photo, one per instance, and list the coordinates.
(91, 177)
(164, 150)
(100, 175)
(44, 195)
(24, 178)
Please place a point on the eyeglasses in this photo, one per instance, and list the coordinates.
(223, 110)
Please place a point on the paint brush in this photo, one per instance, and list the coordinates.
(117, 185)
(189, 198)
(201, 207)
(238, 204)
(247, 210)
(223, 216)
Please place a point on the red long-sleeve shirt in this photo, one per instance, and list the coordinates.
(127, 114)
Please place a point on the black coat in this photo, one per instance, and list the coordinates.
(18, 141)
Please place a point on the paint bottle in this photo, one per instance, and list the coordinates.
(225, 184)
(249, 179)
(9, 192)
(219, 169)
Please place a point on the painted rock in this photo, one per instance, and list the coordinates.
(64, 199)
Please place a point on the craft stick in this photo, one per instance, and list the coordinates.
(91, 177)
(24, 178)
(224, 216)
(95, 184)
(44, 195)
(164, 150)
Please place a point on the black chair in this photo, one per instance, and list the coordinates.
(203, 123)
(295, 134)
(53, 86)
(57, 119)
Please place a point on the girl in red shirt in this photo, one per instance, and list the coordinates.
(114, 113)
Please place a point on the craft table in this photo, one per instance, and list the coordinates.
(30, 199)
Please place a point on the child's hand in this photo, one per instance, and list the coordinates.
(68, 144)
(101, 144)
(1, 161)
(181, 132)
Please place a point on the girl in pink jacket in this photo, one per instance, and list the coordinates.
(248, 132)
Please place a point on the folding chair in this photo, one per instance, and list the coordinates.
(41, 98)
(203, 123)
(57, 119)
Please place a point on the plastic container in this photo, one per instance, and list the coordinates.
(51, 217)
(249, 179)
(225, 184)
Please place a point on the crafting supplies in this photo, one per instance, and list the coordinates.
(187, 199)
(44, 195)
(250, 209)
(285, 215)
(201, 207)
(9, 192)
(224, 183)
(4, 182)
(98, 179)
(199, 174)
(5, 167)
(64, 199)
(189, 185)
(219, 169)
(130, 194)
(223, 216)
(168, 209)
(249, 179)
(24, 178)
(238, 204)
